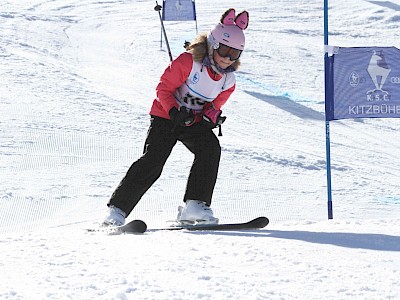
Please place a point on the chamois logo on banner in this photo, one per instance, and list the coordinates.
(178, 6)
(378, 70)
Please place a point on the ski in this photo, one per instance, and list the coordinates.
(138, 227)
(257, 223)
(135, 226)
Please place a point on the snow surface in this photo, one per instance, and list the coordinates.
(77, 82)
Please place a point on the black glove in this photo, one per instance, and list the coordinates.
(212, 117)
(181, 117)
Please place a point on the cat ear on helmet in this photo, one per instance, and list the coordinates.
(228, 17)
(242, 20)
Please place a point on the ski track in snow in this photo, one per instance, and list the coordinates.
(77, 83)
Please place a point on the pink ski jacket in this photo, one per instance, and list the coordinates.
(188, 83)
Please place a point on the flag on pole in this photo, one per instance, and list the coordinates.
(363, 82)
(179, 10)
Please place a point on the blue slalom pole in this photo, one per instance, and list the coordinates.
(327, 129)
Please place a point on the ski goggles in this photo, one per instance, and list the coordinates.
(229, 52)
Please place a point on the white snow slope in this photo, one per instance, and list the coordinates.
(77, 82)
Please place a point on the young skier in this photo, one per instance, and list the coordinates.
(190, 94)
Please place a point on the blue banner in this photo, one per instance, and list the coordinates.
(363, 82)
(178, 10)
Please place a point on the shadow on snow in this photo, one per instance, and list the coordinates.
(368, 241)
(290, 106)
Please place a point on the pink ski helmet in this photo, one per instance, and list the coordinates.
(229, 35)
(230, 30)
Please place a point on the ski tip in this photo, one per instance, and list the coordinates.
(141, 225)
(261, 221)
(135, 226)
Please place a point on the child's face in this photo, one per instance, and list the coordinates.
(223, 62)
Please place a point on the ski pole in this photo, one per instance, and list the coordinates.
(158, 8)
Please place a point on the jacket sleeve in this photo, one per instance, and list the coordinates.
(223, 97)
(173, 77)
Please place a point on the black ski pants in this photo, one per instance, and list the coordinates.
(161, 138)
